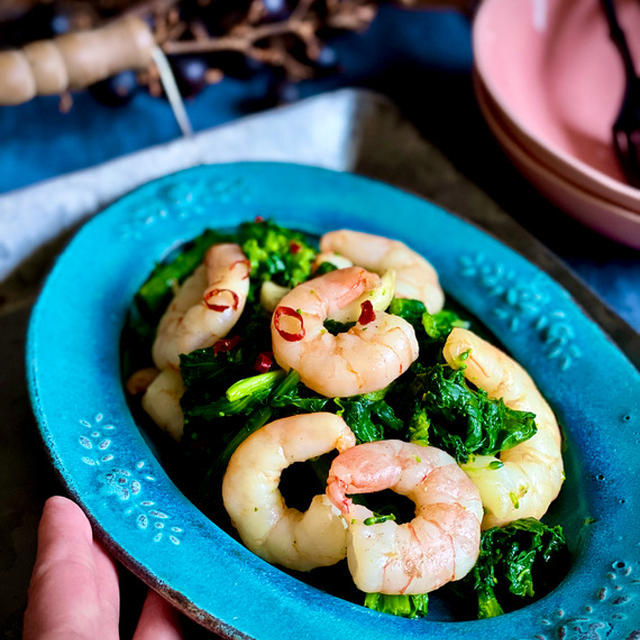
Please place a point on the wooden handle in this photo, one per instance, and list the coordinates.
(74, 60)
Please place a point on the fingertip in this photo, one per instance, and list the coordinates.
(159, 620)
(61, 516)
(64, 534)
(59, 507)
(73, 588)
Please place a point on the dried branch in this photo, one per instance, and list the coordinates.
(263, 41)
(185, 27)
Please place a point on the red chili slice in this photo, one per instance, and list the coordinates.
(367, 314)
(245, 261)
(264, 361)
(292, 313)
(226, 344)
(221, 307)
(294, 247)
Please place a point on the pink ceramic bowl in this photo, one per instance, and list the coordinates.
(601, 215)
(557, 82)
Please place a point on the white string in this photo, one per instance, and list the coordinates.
(173, 93)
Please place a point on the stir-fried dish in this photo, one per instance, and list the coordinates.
(329, 407)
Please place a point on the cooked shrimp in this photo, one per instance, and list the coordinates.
(256, 507)
(528, 477)
(140, 380)
(415, 277)
(161, 401)
(439, 545)
(206, 306)
(366, 358)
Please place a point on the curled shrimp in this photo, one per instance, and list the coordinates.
(161, 401)
(275, 532)
(439, 545)
(206, 306)
(415, 277)
(366, 358)
(525, 479)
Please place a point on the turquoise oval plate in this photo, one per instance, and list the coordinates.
(108, 467)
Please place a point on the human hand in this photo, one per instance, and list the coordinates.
(74, 592)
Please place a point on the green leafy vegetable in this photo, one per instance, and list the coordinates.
(431, 329)
(225, 401)
(276, 253)
(368, 415)
(272, 389)
(512, 558)
(224, 417)
(258, 418)
(292, 393)
(222, 407)
(440, 324)
(436, 326)
(203, 366)
(414, 606)
(324, 267)
(411, 310)
(334, 327)
(463, 421)
(270, 392)
(418, 430)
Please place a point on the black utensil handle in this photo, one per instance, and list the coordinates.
(616, 33)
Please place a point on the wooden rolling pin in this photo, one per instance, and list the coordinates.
(74, 60)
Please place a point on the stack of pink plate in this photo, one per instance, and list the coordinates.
(549, 83)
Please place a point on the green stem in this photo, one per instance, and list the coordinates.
(254, 384)
(289, 383)
(255, 421)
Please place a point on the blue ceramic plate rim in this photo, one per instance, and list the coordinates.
(106, 464)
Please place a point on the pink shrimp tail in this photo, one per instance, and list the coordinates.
(337, 493)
